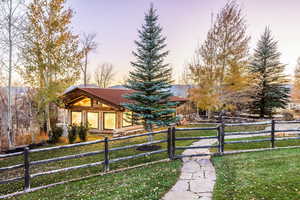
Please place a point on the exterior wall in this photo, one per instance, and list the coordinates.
(100, 120)
(119, 119)
(84, 111)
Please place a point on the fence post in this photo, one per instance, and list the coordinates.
(169, 142)
(222, 136)
(26, 169)
(173, 139)
(219, 139)
(106, 155)
(273, 133)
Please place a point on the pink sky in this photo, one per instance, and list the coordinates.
(185, 24)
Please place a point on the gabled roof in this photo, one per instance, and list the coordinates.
(108, 95)
(180, 90)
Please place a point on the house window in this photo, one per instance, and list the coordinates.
(86, 102)
(93, 120)
(127, 119)
(109, 119)
(76, 117)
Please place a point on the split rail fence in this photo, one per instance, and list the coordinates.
(170, 140)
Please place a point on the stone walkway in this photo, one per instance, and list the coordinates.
(198, 175)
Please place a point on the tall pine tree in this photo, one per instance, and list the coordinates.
(269, 89)
(151, 77)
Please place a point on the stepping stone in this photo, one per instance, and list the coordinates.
(181, 196)
(190, 167)
(180, 186)
(186, 176)
(198, 175)
(209, 195)
(203, 185)
(205, 198)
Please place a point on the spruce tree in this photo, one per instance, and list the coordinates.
(269, 89)
(151, 77)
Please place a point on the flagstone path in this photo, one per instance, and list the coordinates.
(197, 177)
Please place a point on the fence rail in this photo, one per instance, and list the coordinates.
(105, 162)
(170, 140)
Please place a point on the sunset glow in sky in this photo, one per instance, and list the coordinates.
(185, 23)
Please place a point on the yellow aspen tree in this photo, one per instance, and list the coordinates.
(295, 94)
(52, 57)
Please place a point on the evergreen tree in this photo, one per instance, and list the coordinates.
(151, 77)
(269, 89)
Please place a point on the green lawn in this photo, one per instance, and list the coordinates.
(260, 175)
(48, 179)
(150, 182)
(258, 145)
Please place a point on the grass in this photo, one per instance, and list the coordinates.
(260, 175)
(48, 179)
(141, 183)
(258, 145)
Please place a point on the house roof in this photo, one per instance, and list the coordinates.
(109, 95)
(180, 90)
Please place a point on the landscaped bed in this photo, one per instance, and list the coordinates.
(258, 175)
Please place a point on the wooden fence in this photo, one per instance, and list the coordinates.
(170, 141)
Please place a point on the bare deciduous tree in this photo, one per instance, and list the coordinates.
(185, 76)
(11, 28)
(104, 75)
(88, 44)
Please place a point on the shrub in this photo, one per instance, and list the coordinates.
(288, 116)
(82, 132)
(3, 143)
(72, 133)
(23, 139)
(57, 132)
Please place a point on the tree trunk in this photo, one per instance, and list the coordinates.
(209, 114)
(149, 128)
(9, 115)
(48, 124)
(85, 69)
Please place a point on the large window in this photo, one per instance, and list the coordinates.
(76, 117)
(93, 119)
(109, 119)
(127, 119)
(84, 102)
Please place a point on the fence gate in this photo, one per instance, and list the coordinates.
(172, 147)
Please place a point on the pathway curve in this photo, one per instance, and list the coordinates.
(198, 175)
